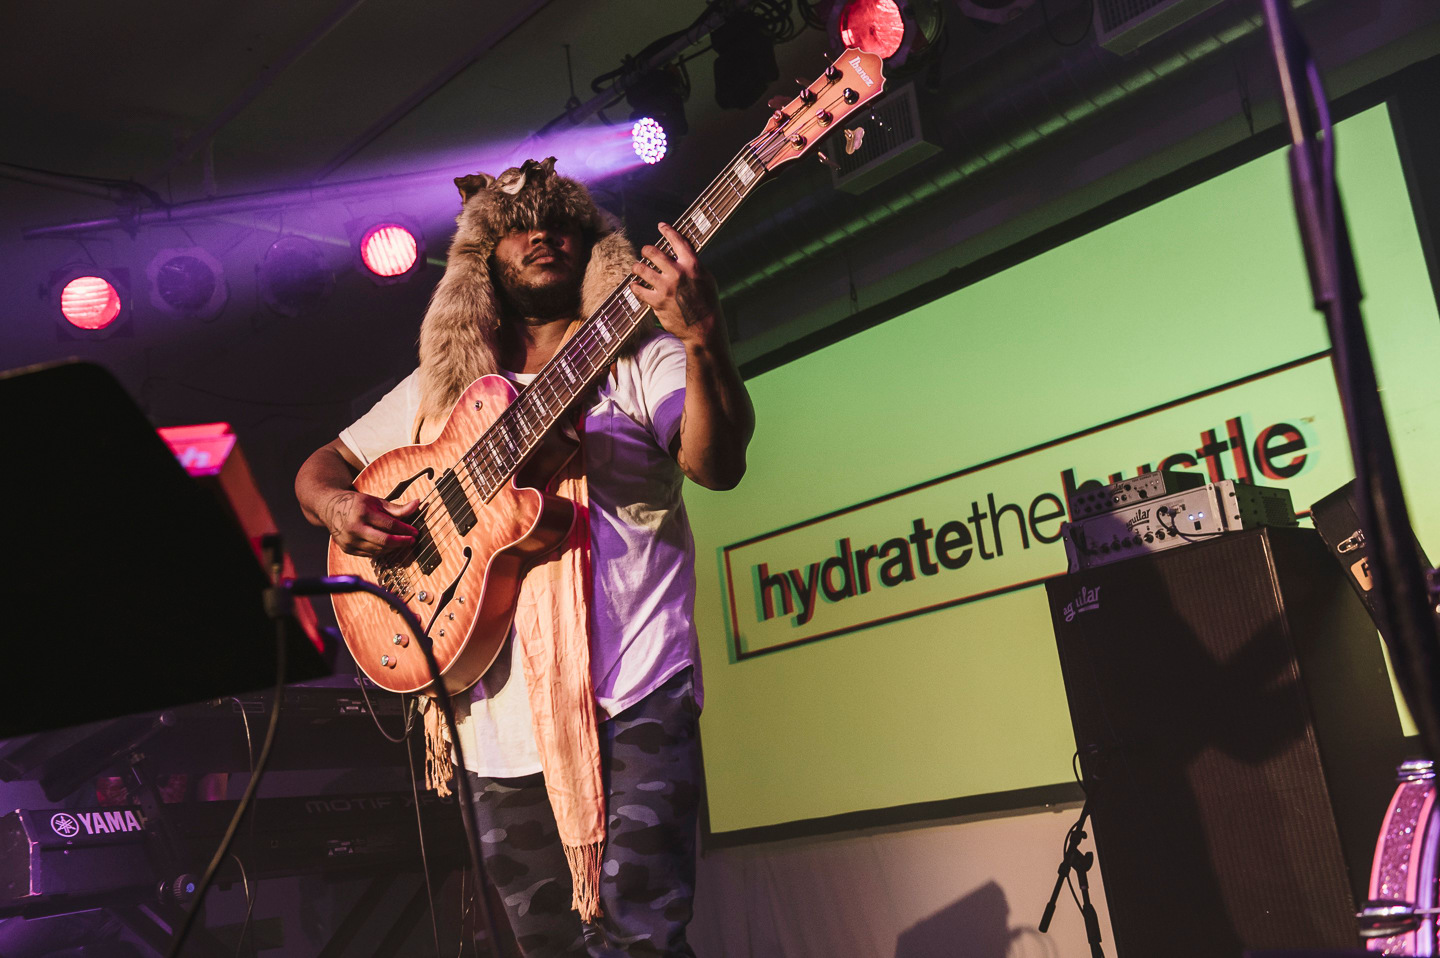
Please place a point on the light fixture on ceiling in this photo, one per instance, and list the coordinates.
(390, 250)
(896, 30)
(294, 278)
(659, 96)
(647, 139)
(744, 60)
(89, 301)
(187, 282)
(994, 11)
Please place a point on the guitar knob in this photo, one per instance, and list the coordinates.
(807, 95)
(824, 116)
(832, 73)
(850, 96)
(388, 661)
(796, 140)
(423, 596)
(400, 639)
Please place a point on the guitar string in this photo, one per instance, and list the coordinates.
(588, 337)
(444, 537)
(545, 380)
(777, 140)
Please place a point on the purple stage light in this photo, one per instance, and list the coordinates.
(648, 139)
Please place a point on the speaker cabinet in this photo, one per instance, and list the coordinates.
(1238, 740)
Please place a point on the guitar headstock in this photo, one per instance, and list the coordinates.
(855, 78)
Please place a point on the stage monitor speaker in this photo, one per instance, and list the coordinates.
(1238, 740)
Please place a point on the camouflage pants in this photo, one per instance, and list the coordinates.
(649, 757)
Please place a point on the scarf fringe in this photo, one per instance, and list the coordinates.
(439, 768)
(584, 861)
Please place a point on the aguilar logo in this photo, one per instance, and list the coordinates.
(855, 62)
(1087, 600)
(1141, 515)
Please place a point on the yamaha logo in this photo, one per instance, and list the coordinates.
(64, 825)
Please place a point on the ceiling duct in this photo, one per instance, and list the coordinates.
(887, 140)
(1122, 26)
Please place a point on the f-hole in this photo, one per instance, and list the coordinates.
(426, 473)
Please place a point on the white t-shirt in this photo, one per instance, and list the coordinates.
(642, 557)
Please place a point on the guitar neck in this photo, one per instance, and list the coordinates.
(589, 352)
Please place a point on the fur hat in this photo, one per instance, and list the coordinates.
(460, 335)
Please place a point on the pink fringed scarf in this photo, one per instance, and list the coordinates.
(552, 629)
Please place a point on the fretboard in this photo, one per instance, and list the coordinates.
(589, 352)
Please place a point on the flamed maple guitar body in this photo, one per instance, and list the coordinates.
(463, 575)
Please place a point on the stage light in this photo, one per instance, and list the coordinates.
(294, 278)
(660, 96)
(744, 60)
(389, 250)
(897, 30)
(187, 282)
(89, 302)
(874, 26)
(647, 137)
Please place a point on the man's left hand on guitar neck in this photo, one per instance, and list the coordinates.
(718, 419)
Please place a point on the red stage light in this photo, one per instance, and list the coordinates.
(388, 249)
(874, 26)
(89, 302)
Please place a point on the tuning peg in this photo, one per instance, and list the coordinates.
(832, 73)
(807, 95)
(820, 155)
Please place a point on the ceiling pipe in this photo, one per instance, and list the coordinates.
(410, 103)
(255, 88)
(703, 27)
(246, 203)
(309, 195)
(1085, 83)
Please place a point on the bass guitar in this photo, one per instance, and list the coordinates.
(484, 517)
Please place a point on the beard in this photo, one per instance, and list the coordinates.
(554, 298)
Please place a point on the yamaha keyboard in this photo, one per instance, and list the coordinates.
(60, 860)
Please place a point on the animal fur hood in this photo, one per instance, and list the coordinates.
(460, 336)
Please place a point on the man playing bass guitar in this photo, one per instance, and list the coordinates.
(585, 774)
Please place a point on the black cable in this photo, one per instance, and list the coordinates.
(420, 832)
(332, 585)
(245, 799)
(249, 909)
(249, 897)
(405, 717)
(1162, 512)
(1089, 21)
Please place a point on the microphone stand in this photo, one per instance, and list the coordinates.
(1078, 862)
(1403, 607)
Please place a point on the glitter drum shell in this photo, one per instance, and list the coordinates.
(1404, 866)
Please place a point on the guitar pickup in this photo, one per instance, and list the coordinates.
(427, 555)
(456, 502)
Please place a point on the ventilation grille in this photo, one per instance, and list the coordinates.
(1124, 25)
(893, 139)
